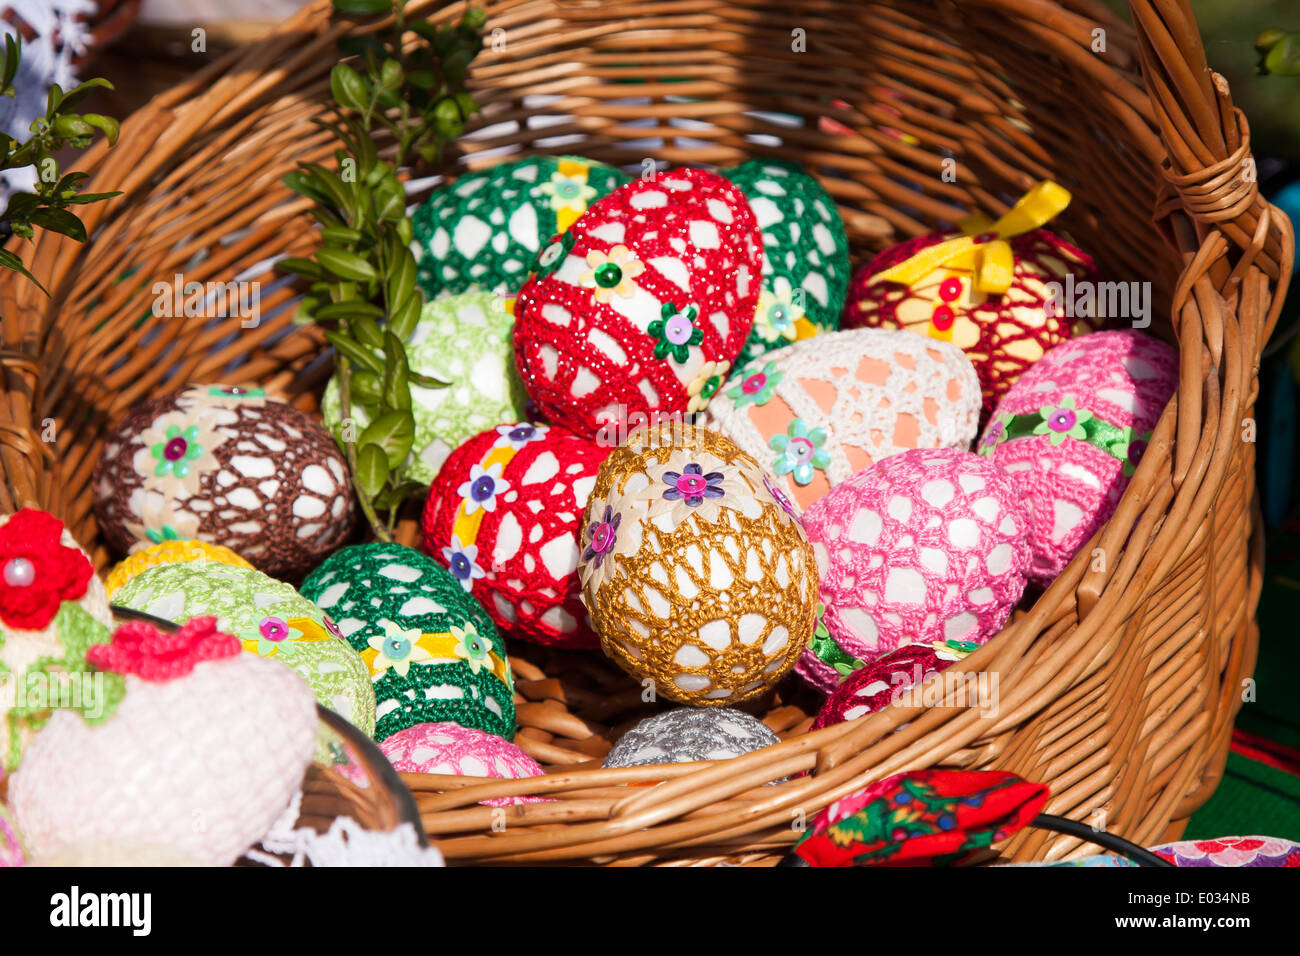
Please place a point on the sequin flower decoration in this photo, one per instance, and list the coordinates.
(37, 572)
(800, 451)
(141, 649)
(612, 273)
(271, 631)
(553, 254)
(676, 332)
(996, 431)
(697, 483)
(462, 562)
(777, 316)
(396, 649)
(236, 391)
(177, 449)
(471, 646)
(705, 385)
(481, 489)
(567, 192)
(517, 436)
(1131, 450)
(601, 535)
(756, 387)
(781, 499)
(1063, 421)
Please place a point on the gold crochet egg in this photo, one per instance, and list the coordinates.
(697, 575)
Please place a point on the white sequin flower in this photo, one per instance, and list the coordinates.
(481, 489)
(517, 436)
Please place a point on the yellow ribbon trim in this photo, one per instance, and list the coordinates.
(311, 631)
(991, 262)
(442, 650)
(466, 526)
(567, 216)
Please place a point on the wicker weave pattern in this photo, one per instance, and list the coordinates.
(1118, 687)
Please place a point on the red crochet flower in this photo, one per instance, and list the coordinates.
(140, 648)
(37, 573)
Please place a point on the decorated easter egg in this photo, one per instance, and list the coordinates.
(202, 753)
(687, 734)
(643, 305)
(876, 684)
(816, 412)
(927, 545)
(998, 290)
(269, 617)
(463, 752)
(52, 608)
(504, 516)
(805, 254)
(433, 653)
(227, 466)
(1071, 433)
(466, 341)
(486, 228)
(11, 844)
(696, 576)
(169, 552)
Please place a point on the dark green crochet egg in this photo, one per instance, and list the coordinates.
(805, 255)
(433, 652)
(485, 229)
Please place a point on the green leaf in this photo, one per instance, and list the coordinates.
(427, 381)
(354, 352)
(359, 46)
(368, 333)
(105, 124)
(403, 320)
(346, 265)
(349, 309)
(10, 261)
(53, 97)
(13, 54)
(363, 7)
(393, 495)
(1283, 57)
(301, 267)
(391, 75)
(60, 221)
(394, 432)
(401, 278)
(306, 185)
(341, 235)
(367, 388)
(82, 90)
(372, 469)
(397, 388)
(84, 198)
(349, 88)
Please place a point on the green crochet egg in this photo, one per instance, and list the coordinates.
(465, 341)
(487, 227)
(270, 617)
(805, 255)
(433, 652)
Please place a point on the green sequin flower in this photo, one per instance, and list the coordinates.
(676, 332)
(1131, 450)
(176, 454)
(165, 533)
(756, 388)
(1063, 421)
(471, 646)
(553, 254)
(800, 451)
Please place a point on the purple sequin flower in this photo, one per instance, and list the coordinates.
(602, 535)
(692, 486)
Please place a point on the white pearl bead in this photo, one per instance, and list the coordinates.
(19, 573)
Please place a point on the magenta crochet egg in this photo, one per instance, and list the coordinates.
(643, 305)
(463, 752)
(1071, 433)
(927, 545)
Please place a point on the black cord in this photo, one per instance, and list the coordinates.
(1083, 831)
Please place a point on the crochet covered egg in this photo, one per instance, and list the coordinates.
(463, 752)
(815, 412)
(700, 583)
(227, 466)
(201, 754)
(433, 653)
(805, 254)
(987, 290)
(643, 305)
(169, 552)
(50, 604)
(928, 545)
(687, 734)
(466, 341)
(504, 517)
(1071, 432)
(269, 617)
(875, 685)
(486, 228)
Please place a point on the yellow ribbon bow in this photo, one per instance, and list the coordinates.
(983, 249)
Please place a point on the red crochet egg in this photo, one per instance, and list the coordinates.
(503, 516)
(1002, 334)
(875, 685)
(643, 304)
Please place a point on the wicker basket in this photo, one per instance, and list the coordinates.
(1118, 684)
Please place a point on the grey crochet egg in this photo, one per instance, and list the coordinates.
(686, 734)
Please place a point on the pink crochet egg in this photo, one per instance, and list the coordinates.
(462, 752)
(504, 516)
(642, 305)
(1071, 432)
(928, 545)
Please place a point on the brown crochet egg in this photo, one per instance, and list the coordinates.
(699, 579)
(227, 466)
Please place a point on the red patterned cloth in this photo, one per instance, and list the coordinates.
(37, 571)
(922, 818)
